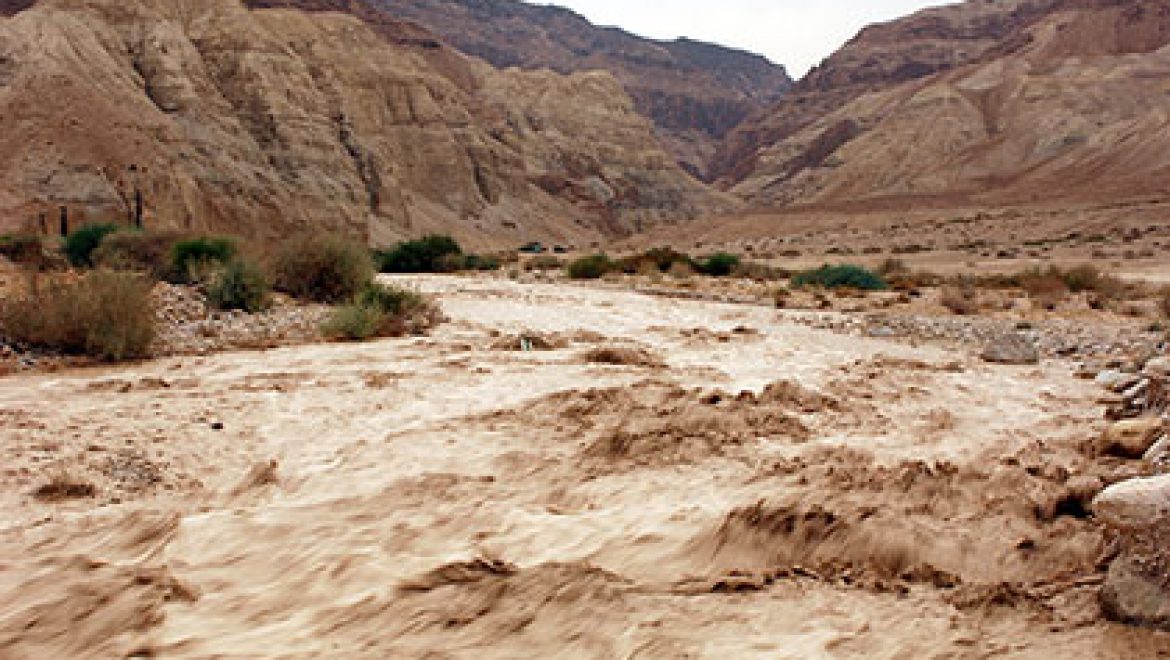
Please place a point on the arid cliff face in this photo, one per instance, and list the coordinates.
(693, 92)
(1018, 99)
(267, 119)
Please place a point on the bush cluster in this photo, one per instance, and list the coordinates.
(379, 310)
(144, 251)
(196, 259)
(845, 276)
(720, 264)
(661, 259)
(241, 285)
(590, 268)
(105, 314)
(321, 268)
(430, 254)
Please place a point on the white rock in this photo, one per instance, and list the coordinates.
(1158, 367)
(1136, 504)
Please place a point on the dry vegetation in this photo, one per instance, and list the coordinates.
(106, 305)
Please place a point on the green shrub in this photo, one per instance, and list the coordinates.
(322, 267)
(481, 262)
(190, 256)
(352, 322)
(720, 264)
(590, 268)
(840, 277)
(143, 251)
(80, 244)
(105, 314)
(240, 285)
(383, 311)
(430, 254)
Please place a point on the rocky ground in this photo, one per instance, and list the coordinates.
(567, 471)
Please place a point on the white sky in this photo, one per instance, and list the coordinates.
(795, 33)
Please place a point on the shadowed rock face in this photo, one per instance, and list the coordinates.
(265, 119)
(13, 7)
(1008, 99)
(694, 92)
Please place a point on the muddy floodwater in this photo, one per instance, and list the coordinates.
(558, 471)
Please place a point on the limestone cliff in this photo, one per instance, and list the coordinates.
(694, 92)
(992, 100)
(281, 114)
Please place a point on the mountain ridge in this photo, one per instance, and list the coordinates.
(695, 92)
(269, 120)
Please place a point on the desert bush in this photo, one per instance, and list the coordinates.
(323, 268)
(430, 254)
(959, 300)
(892, 266)
(193, 258)
(590, 268)
(481, 262)
(754, 270)
(104, 314)
(660, 259)
(26, 249)
(383, 311)
(1048, 285)
(681, 270)
(144, 251)
(837, 277)
(1087, 277)
(720, 264)
(352, 322)
(80, 245)
(544, 263)
(240, 285)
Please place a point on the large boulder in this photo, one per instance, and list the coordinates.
(1136, 591)
(1137, 587)
(1011, 349)
(1130, 438)
(1135, 505)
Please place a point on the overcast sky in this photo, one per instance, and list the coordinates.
(795, 33)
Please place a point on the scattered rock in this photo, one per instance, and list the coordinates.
(620, 356)
(1130, 438)
(1013, 349)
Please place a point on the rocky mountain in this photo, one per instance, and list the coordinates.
(694, 92)
(272, 115)
(987, 99)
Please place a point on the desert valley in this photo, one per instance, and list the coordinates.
(470, 328)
